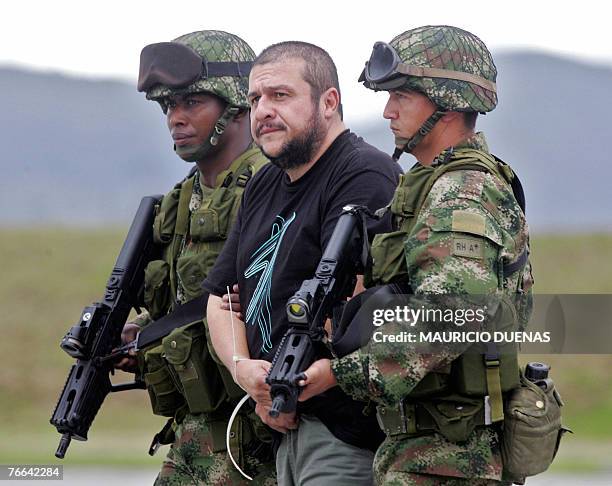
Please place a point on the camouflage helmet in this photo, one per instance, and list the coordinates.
(213, 46)
(451, 66)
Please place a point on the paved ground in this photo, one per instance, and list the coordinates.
(74, 476)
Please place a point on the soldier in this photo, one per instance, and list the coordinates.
(200, 81)
(460, 229)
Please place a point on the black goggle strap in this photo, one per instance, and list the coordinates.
(425, 128)
(214, 69)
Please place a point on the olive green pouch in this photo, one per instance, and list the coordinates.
(157, 288)
(532, 430)
(192, 270)
(388, 260)
(212, 222)
(165, 220)
(456, 416)
(165, 397)
(196, 373)
(470, 371)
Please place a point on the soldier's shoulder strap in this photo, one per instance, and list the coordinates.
(473, 159)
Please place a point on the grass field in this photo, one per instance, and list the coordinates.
(49, 275)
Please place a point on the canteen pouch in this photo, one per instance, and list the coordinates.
(157, 288)
(212, 222)
(163, 393)
(532, 430)
(193, 368)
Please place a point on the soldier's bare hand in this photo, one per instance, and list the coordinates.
(251, 376)
(319, 378)
(128, 334)
(235, 296)
(283, 423)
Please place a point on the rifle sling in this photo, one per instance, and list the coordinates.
(194, 310)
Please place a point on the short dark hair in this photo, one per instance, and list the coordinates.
(469, 119)
(320, 71)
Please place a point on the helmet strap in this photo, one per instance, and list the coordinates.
(403, 145)
(213, 137)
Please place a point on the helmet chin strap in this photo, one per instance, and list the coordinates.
(212, 140)
(408, 144)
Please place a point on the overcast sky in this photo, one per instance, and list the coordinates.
(104, 38)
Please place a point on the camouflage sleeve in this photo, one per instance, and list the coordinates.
(453, 249)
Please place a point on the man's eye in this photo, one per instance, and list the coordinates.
(170, 105)
(254, 100)
(279, 95)
(192, 102)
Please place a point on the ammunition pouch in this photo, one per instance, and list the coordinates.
(165, 219)
(388, 259)
(181, 372)
(193, 369)
(469, 372)
(191, 270)
(157, 288)
(532, 430)
(163, 392)
(212, 221)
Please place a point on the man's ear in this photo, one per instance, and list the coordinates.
(452, 117)
(331, 102)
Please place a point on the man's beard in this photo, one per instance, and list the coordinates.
(300, 149)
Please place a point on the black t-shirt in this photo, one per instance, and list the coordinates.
(281, 231)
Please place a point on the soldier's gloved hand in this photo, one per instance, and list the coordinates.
(319, 378)
(283, 423)
(128, 334)
(235, 296)
(251, 376)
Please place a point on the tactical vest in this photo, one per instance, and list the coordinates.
(182, 373)
(450, 401)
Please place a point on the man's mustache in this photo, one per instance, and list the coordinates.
(273, 126)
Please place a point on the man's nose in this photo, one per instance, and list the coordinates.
(176, 116)
(390, 111)
(264, 110)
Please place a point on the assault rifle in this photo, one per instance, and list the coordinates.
(92, 341)
(316, 300)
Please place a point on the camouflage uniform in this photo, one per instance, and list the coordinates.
(463, 207)
(197, 454)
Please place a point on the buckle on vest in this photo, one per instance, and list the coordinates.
(242, 180)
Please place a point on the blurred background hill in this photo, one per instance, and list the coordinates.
(82, 152)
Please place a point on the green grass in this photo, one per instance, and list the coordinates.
(48, 276)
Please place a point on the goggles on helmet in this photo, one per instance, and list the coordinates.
(385, 70)
(177, 66)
